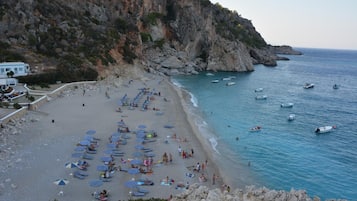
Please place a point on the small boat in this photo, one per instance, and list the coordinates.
(287, 105)
(308, 86)
(262, 97)
(215, 81)
(258, 90)
(209, 74)
(226, 78)
(230, 83)
(291, 117)
(256, 129)
(324, 129)
(335, 86)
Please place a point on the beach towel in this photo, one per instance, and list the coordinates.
(191, 175)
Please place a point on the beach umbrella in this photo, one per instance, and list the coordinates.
(168, 126)
(142, 126)
(130, 184)
(137, 154)
(140, 140)
(91, 132)
(111, 146)
(106, 158)
(136, 162)
(84, 142)
(139, 146)
(115, 138)
(150, 154)
(116, 134)
(96, 183)
(140, 135)
(61, 182)
(102, 168)
(77, 155)
(70, 165)
(79, 148)
(133, 171)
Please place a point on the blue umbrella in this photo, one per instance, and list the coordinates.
(168, 126)
(106, 158)
(116, 134)
(61, 182)
(91, 132)
(140, 140)
(133, 171)
(131, 184)
(115, 138)
(80, 148)
(136, 162)
(141, 126)
(109, 151)
(139, 146)
(84, 142)
(102, 168)
(111, 146)
(77, 155)
(150, 154)
(140, 135)
(95, 183)
(137, 154)
(71, 165)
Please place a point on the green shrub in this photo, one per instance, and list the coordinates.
(17, 106)
(145, 37)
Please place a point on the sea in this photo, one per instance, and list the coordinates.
(283, 155)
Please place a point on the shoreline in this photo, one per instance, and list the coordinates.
(41, 157)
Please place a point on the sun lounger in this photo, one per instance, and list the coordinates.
(87, 157)
(91, 152)
(137, 194)
(82, 173)
(142, 190)
(105, 179)
(78, 176)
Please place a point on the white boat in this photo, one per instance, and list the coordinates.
(287, 105)
(324, 129)
(262, 97)
(230, 83)
(308, 86)
(258, 90)
(226, 78)
(291, 117)
(256, 129)
(215, 81)
(209, 74)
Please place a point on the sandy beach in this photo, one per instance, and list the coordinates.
(48, 137)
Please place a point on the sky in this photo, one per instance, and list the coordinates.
(330, 24)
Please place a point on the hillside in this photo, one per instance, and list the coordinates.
(83, 39)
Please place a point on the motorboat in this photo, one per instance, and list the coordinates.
(287, 105)
(226, 78)
(335, 86)
(215, 81)
(258, 90)
(256, 129)
(209, 74)
(291, 117)
(262, 97)
(324, 129)
(308, 86)
(230, 83)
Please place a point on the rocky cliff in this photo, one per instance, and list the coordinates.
(170, 36)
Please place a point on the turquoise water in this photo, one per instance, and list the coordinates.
(284, 154)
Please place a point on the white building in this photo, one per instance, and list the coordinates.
(19, 69)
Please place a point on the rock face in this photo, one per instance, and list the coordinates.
(197, 192)
(171, 36)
